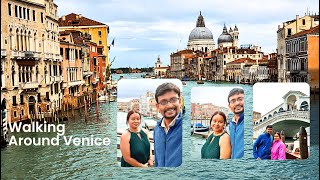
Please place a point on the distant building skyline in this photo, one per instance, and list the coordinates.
(141, 34)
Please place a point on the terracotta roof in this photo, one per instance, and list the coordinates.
(314, 30)
(77, 20)
(186, 51)
(188, 56)
(242, 60)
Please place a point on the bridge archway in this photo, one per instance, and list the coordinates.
(304, 106)
(291, 102)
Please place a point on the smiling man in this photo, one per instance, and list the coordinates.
(168, 131)
(236, 124)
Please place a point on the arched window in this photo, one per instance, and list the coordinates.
(281, 110)
(274, 113)
(304, 106)
(270, 116)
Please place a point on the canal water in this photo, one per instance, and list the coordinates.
(100, 162)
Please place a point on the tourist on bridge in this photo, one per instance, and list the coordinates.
(168, 131)
(236, 124)
(278, 149)
(262, 145)
(134, 143)
(218, 145)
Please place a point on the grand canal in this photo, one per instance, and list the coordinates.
(100, 162)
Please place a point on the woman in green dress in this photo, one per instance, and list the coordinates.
(218, 145)
(134, 143)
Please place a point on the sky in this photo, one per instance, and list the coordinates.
(143, 29)
(129, 89)
(267, 96)
(216, 95)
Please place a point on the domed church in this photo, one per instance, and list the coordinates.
(228, 39)
(201, 37)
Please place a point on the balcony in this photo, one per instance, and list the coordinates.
(58, 78)
(76, 83)
(47, 56)
(29, 85)
(57, 57)
(87, 73)
(55, 79)
(17, 55)
(3, 53)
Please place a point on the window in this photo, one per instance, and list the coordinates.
(16, 10)
(99, 33)
(15, 114)
(303, 22)
(20, 12)
(76, 51)
(24, 13)
(9, 9)
(61, 52)
(47, 96)
(21, 99)
(289, 32)
(34, 15)
(22, 112)
(39, 97)
(14, 100)
(41, 17)
(28, 16)
(100, 42)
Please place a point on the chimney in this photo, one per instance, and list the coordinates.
(63, 18)
(77, 17)
(80, 16)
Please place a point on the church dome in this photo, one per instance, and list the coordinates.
(200, 33)
(225, 36)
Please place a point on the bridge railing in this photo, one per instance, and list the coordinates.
(285, 114)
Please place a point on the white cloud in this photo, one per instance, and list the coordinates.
(147, 29)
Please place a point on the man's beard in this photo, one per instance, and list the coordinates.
(239, 112)
(171, 117)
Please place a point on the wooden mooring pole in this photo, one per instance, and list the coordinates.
(303, 143)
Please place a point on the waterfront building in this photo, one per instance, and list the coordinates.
(224, 55)
(302, 57)
(288, 29)
(205, 110)
(135, 104)
(273, 67)
(98, 31)
(201, 37)
(30, 61)
(255, 116)
(72, 70)
(160, 70)
(177, 69)
(236, 67)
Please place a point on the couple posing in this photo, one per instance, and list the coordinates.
(219, 144)
(134, 142)
(268, 147)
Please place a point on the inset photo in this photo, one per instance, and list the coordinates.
(281, 121)
(217, 122)
(149, 122)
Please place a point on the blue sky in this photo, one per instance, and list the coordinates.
(264, 101)
(145, 29)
